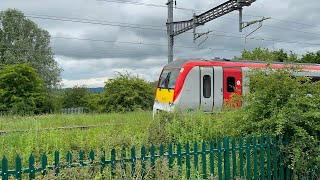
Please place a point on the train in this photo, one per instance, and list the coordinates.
(193, 84)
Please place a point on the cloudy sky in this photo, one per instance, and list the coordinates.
(93, 39)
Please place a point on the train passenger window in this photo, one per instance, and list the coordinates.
(231, 84)
(206, 86)
(315, 79)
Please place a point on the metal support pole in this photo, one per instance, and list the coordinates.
(170, 31)
(194, 27)
(240, 20)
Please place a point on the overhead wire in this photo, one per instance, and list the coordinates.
(199, 10)
(151, 27)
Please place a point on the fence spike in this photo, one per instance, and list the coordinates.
(91, 156)
(152, 160)
(212, 158)
(195, 156)
(262, 175)
(102, 160)
(234, 158)
(269, 171)
(188, 166)
(133, 164)
(4, 173)
(275, 159)
(204, 160)
(219, 160)
(255, 158)
(32, 172)
(226, 157)
(44, 164)
(123, 163)
(248, 155)
(56, 162)
(113, 162)
(18, 168)
(81, 157)
(241, 156)
(69, 158)
(143, 162)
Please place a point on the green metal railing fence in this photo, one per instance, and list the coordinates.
(249, 158)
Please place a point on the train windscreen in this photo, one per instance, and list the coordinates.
(168, 78)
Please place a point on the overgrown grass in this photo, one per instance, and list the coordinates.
(116, 130)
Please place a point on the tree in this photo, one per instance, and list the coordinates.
(127, 93)
(21, 89)
(264, 54)
(75, 97)
(22, 41)
(311, 57)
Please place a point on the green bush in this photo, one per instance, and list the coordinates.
(127, 93)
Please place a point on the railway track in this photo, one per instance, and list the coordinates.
(4, 132)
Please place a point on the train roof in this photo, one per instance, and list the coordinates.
(179, 63)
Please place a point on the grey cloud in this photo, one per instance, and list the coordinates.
(91, 59)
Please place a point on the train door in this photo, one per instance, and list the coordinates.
(232, 83)
(218, 87)
(206, 88)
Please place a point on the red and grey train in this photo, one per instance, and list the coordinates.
(191, 84)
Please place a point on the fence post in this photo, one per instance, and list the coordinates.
(56, 162)
(248, 154)
(204, 160)
(219, 160)
(143, 162)
(226, 158)
(32, 173)
(133, 164)
(212, 158)
(234, 159)
(44, 164)
(262, 157)
(113, 162)
(188, 160)
(18, 168)
(255, 158)
(170, 158)
(4, 173)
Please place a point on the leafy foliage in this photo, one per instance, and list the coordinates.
(311, 57)
(127, 93)
(264, 54)
(20, 89)
(22, 41)
(280, 104)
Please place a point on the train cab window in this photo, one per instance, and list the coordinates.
(231, 84)
(206, 86)
(168, 78)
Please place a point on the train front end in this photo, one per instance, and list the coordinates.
(166, 90)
